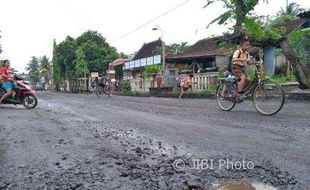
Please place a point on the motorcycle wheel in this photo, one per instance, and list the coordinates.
(29, 101)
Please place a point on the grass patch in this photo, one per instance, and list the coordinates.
(281, 78)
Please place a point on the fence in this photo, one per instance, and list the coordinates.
(203, 81)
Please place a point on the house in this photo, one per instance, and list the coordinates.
(149, 54)
(203, 59)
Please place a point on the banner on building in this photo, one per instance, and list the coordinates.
(143, 62)
(157, 59)
(137, 64)
(149, 61)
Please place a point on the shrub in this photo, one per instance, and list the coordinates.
(126, 87)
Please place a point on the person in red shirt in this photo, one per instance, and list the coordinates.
(7, 84)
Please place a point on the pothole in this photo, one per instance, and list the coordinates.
(243, 185)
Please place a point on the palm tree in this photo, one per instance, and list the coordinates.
(292, 9)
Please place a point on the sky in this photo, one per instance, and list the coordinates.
(28, 27)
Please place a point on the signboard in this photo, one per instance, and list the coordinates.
(132, 64)
(111, 71)
(137, 63)
(157, 59)
(149, 61)
(143, 62)
(126, 66)
(94, 74)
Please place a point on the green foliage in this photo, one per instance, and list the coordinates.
(56, 68)
(281, 78)
(39, 67)
(292, 9)
(81, 64)
(126, 86)
(97, 51)
(119, 71)
(33, 70)
(73, 57)
(151, 69)
(67, 60)
(173, 49)
(279, 19)
(45, 68)
(263, 31)
(234, 10)
(300, 41)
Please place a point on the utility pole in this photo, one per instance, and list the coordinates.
(163, 46)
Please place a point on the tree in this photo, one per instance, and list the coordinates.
(150, 70)
(296, 49)
(33, 69)
(67, 60)
(45, 68)
(262, 34)
(97, 51)
(236, 10)
(292, 9)
(173, 49)
(56, 68)
(81, 67)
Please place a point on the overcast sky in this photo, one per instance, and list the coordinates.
(28, 27)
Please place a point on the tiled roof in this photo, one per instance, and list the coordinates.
(148, 49)
(292, 25)
(204, 47)
(119, 61)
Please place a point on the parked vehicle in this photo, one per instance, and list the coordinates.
(23, 94)
(39, 87)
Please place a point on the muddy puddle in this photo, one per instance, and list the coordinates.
(244, 185)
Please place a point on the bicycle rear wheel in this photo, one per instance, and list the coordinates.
(268, 98)
(99, 92)
(224, 98)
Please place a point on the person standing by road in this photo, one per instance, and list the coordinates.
(186, 84)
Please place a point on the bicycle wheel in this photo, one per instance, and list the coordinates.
(268, 97)
(99, 91)
(224, 98)
(107, 90)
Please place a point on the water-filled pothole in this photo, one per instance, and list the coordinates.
(244, 185)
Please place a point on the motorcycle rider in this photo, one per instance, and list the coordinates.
(8, 82)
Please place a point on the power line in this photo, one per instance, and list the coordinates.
(151, 20)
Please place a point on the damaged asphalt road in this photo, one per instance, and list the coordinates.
(77, 141)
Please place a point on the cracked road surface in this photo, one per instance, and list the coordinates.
(78, 141)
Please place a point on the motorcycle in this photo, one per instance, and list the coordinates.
(23, 94)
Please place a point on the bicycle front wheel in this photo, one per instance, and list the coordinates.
(268, 98)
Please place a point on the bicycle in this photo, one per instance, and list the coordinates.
(268, 96)
(102, 90)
